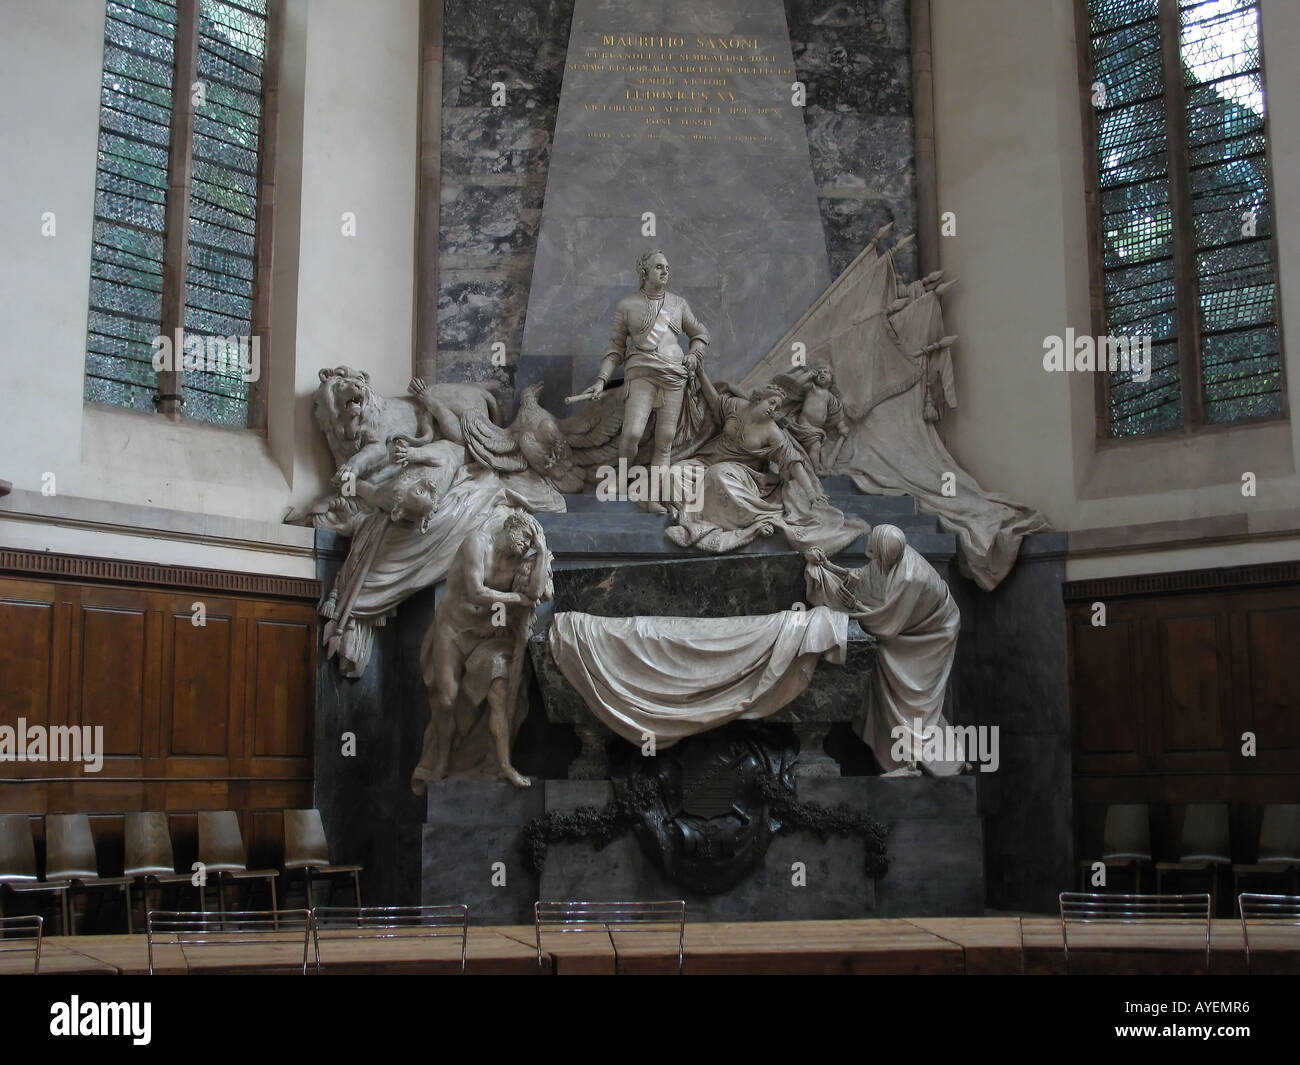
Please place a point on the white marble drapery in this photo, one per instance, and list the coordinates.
(900, 599)
(672, 677)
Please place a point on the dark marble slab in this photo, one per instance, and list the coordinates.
(855, 58)
(1012, 672)
(470, 849)
(491, 140)
(487, 219)
(520, 45)
(476, 314)
(934, 844)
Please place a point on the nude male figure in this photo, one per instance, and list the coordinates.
(498, 575)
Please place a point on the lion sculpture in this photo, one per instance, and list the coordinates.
(363, 429)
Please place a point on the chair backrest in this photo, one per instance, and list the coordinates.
(20, 940)
(1128, 831)
(221, 847)
(304, 840)
(272, 939)
(1276, 920)
(148, 845)
(1106, 912)
(1279, 833)
(389, 922)
(69, 848)
(1205, 833)
(667, 916)
(17, 851)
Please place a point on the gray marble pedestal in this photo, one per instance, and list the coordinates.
(935, 849)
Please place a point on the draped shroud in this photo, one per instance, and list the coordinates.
(908, 608)
(670, 677)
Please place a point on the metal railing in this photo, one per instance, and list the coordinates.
(14, 941)
(233, 928)
(1274, 912)
(389, 922)
(666, 916)
(1085, 908)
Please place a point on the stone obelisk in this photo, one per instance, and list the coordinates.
(679, 127)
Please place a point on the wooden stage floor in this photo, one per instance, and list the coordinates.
(953, 945)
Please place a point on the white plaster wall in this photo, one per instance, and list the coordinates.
(1010, 165)
(347, 143)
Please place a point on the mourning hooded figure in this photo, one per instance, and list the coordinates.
(900, 599)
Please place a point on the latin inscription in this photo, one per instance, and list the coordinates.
(720, 87)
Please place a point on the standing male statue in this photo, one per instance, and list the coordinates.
(647, 324)
(474, 651)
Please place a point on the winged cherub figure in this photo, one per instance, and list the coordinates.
(815, 412)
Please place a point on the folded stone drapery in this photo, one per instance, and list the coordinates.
(900, 599)
(673, 677)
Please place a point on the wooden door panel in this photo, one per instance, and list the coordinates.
(27, 670)
(199, 684)
(283, 687)
(1194, 708)
(1273, 657)
(112, 679)
(1108, 714)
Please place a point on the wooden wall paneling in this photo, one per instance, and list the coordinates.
(202, 687)
(184, 828)
(1272, 688)
(1213, 658)
(264, 838)
(218, 716)
(281, 677)
(1195, 703)
(112, 675)
(24, 796)
(1106, 696)
(30, 647)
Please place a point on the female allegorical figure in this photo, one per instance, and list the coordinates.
(752, 479)
(900, 599)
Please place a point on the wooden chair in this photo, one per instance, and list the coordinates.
(1126, 842)
(1115, 922)
(70, 856)
(149, 855)
(1279, 847)
(668, 916)
(18, 865)
(306, 848)
(1202, 847)
(221, 852)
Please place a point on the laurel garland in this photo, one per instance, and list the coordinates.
(826, 821)
(597, 825)
(600, 826)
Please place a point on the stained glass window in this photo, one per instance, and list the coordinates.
(126, 266)
(1218, 168)
(219, 250)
